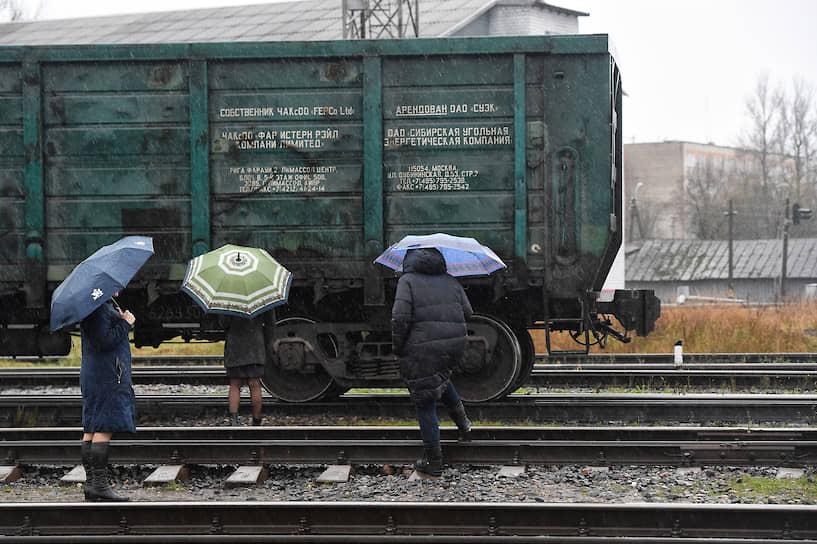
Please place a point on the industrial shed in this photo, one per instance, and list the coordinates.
(700, 268)
(306, 20)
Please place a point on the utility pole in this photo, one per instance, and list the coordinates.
(798, 213)
(731, 213)
(374, 19)
(785, 257)
(635, 216)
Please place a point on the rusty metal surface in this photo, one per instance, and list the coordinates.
(231, 146)
(399, 521)
(567, 408)
(370, 445)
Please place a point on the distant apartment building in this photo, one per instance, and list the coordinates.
(672, 187)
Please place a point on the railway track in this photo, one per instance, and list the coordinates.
(171, 522)
(792, 371)
(608, 444)
(597, 446)
(562, 358)
(584, 408)
(798, 376)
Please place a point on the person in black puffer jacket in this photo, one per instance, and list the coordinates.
(429, 336)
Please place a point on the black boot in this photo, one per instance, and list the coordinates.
(432, 462)
(234, 421)
(256, 421)
(100, 488)
(459, 417)
(87, 464)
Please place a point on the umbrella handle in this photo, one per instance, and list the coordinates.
(116, 305)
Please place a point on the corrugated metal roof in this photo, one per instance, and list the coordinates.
(691, 260)
(307, 20)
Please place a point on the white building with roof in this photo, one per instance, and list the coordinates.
(700, 268)
(306, 20)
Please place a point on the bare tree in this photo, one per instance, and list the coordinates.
(782, 142)
(800, 131)
(706, 190)
(766, 183)
(763, 108)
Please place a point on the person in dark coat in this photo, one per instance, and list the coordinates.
(108, 402)
(245, 357)
(429, 335)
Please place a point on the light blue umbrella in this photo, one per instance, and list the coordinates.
(97, 278)
(463, 256)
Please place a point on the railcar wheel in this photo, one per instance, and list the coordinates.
(528, 351)
(491, 363)
(290, 377)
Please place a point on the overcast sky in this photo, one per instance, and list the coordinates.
(687, 66)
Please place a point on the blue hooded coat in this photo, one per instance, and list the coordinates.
(428, 322)
(108, 401)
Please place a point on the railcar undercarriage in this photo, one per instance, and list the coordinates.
(314, 358)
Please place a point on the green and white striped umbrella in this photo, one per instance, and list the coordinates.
(237, 280)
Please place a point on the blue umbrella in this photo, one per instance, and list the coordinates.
(463, 256)
(97, 278)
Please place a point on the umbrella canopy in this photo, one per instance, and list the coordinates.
(97, 278)
(237, 280)
(463, 256)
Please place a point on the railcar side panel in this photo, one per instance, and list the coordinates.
(117, 162)
(12, 185)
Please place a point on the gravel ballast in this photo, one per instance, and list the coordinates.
(571, 484)
(460, 483)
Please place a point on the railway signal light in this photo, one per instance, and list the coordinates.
(798, 213)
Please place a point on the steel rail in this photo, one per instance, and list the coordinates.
(769, 368)
(402, 521)
(500, 446)
(668, 358)
(633, 370)
(357, 452)
(525, 433)
(147, 360)
(728, 375)
(69, 376)
(585, 408)
(543, 358)
(686, 378)
(160, 370)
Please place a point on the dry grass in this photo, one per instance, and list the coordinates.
(180, 347)
(719, 329)
(174, 347)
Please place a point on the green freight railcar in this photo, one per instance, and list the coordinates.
(323, 153)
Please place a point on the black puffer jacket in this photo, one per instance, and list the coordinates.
(428, 320)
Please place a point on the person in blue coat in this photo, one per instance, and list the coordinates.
(429, 336)
(108, 401)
